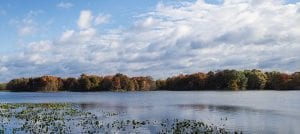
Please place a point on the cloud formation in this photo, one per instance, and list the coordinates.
(86, 24)
(171, 39)
(85, 19)
(101, 19)
(65, 5)
(27, 25)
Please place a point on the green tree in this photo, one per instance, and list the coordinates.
(84, 83)
(2, 86)
(95, 82)
(210, 81)
(224, 78)
(18, 85)
(256, 79)
(294, 83)
(233, 85)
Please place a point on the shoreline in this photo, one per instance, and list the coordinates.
(144, 91)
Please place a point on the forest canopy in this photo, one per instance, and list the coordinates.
(217, 80)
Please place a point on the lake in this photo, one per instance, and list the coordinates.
(246, 111)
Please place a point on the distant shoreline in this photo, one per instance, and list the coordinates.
(223, 80)
(287, 90)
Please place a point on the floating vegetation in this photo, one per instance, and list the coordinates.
(44, 118)
(67, 118)
(109, 114)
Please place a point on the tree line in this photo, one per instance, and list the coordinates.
(217, 80)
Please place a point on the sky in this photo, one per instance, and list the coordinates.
(159, 38)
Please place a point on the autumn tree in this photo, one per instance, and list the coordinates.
(277, 80)
(233, 84)
(219, 80)
(46, 83)
(106, 84)
(143, 83)
(125, 82)
(196, 81)
(95, 82)
(135, 84)
(177, 83)
(18, 85)
(71, 84)
(116, 83)
(160, 84)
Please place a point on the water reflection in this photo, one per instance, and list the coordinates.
(113, 107)
(220, 108)
(90, 106)
(252, 112)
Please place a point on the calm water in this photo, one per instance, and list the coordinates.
(249, 111)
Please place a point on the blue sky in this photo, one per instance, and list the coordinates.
(60, 18)
(139, 37)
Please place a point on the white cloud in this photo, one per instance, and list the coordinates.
(25, 30)
(41, 46)
(67, 35)
(65, 5)
(101, 19)
(85, 19)
(175, 38)
(86, 30)
(3, 69)
(27, 25)
(87, 34)
(77, 37)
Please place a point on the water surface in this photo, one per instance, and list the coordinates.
(247, 111)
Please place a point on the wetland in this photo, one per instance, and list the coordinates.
(150, 112)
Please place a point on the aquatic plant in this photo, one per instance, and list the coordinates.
(68, 118)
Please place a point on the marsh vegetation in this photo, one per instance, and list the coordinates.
(67, 118)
